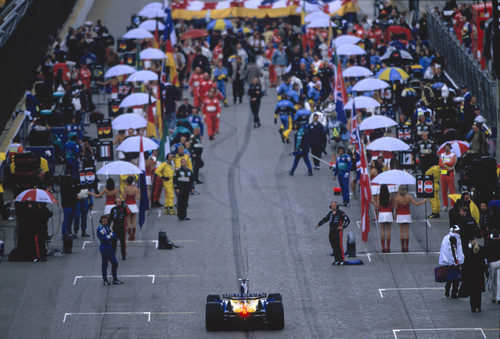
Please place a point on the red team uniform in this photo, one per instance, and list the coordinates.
(211, 111)
(194, 84)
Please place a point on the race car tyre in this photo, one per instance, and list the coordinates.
(275, 315)
(274, 297)
(214, 316)
(213, 297)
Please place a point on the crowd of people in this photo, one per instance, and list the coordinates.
(252, 56)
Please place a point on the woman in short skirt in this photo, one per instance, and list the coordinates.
(384, 203)
(403, 214)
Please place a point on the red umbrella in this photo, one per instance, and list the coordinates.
(194, 33)
(36, 195)
(457, 146)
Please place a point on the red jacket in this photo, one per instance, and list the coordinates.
(205, 86)
(210, 106)
(194, 82)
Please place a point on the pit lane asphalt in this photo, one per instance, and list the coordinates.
(251, 220)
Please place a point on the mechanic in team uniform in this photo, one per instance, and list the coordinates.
(426, 150)
(286, 110)
(183, 184)
(118, 216)
(338, 220)
(196, 151)
(301, 149)
(166, 172)
(342, 170)
(435, 171)
(106, 237)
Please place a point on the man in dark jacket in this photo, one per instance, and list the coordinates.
(117, 216)
(338, 220)
(468, 226)
(317, 139)
(301, 150)
(183, 185)
(201, 61)
(255, 92)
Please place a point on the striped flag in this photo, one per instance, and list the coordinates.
(144, 202)
(340, 95)
(170, 40)
(151, 126)
(164, 147)
(364, 181)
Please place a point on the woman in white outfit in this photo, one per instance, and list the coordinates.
(384, 203)
(492, 250)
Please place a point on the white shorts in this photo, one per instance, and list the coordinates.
(403, 218)
(148, 180)
(107, 208)
(385, 217)
(133, 208)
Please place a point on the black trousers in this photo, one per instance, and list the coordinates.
(316, 150)
(238, 90)
(255, 107)
(121, 236)
(454, 286)
(3, 210)
(196, 167)
(475, 300)
(182, 203)
(335, 238)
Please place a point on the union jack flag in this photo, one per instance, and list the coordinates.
(364, 181)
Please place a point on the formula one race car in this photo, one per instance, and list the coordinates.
(244, 310)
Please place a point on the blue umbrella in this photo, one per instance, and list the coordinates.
(220, 24)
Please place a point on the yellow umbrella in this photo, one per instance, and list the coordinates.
(473, 208)
(392, 74)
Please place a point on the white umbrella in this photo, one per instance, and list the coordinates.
(366, 85)
(36, 195)
(138, 33)
(128, 120)
(133, 144)
(315, 16)
(320, 23)
(362, 102)
(394, 177)
(118, 70)
(152, 25)
(376, 121)
(345, 39)
(350, 49)
(388, 144)
(119, 168)
(404, 54)
(137, 99)
(153, 5)
(143, 75)
(152, 13)
(357, 71)
(152, 54)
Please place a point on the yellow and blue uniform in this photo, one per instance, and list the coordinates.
(285, 109)
(106, 237)
(220, 76)
(342, 170)
(302, 117)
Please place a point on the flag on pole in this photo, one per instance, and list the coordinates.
(151, 126)
(364, 181)
(170, 40)
(340, 95)
(164, 147)
(159, 111)
(144, 203)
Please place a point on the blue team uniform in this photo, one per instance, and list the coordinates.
(285, 88)
(293, 95)
(196, 121)
(313, 94)
(302, 116)
(71, 151)
(106, 237)
(220, 76)
(342, 170)
(285, 109)
(74, 130)
(301, 149)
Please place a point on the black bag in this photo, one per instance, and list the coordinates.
(67, 244)
(163, 242)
